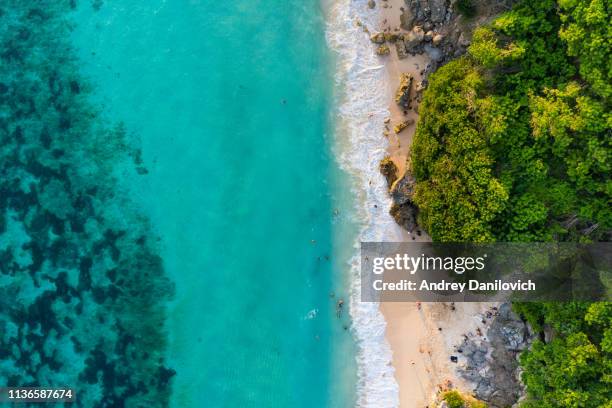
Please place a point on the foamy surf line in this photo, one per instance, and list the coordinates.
(362, 81)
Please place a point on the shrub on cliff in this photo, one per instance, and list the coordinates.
(573, 368)
(511, 146)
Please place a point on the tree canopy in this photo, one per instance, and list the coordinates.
(513, 144)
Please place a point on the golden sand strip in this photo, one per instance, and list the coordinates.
(422, 337)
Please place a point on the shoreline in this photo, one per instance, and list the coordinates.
(362, 109)
(402, 358)
(422, 337)
(416, 349)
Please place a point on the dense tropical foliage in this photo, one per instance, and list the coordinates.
(513, 144)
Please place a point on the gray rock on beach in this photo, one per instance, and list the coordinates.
(402, 190)
(414, 38)
(403, 209)
(491, 361)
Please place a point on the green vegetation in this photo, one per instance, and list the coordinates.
(454, 399)
(513, 144)
(466, 8)
(574, 369)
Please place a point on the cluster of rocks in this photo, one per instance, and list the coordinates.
(403, 209)
(489, 361)
(418, 41)
(82, 287)
(437, 28)
(423, 28)
(389, 170)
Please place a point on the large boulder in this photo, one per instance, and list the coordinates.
(402, 95)
(402, 125)
(405, 215)
(403, 209)
(389, 170)
(414, 38)
(402, 190)
(437, 39)
(391, 37)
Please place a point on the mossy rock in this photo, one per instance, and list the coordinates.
(378, 38)
(402, 125)
(402, 95)
(389, 170)
(383, 50)
(405, 215)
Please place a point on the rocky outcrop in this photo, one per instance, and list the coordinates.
(433, 12)
(378, 38)
(490, 362)
(383, 50)
(439, 28)
(402, 125)
(402, 190)
(402, 95)
(389, 170)
(433, 53)
(413, 39)
(403, 210)
(405, 215)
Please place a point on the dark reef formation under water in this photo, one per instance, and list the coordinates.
(82, 288)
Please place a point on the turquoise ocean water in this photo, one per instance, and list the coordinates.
(232, 102)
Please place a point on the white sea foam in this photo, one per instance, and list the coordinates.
(362, 83)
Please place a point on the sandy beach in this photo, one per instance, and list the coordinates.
(422, 337)
(399, 145)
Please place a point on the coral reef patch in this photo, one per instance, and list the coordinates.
(83, 291)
